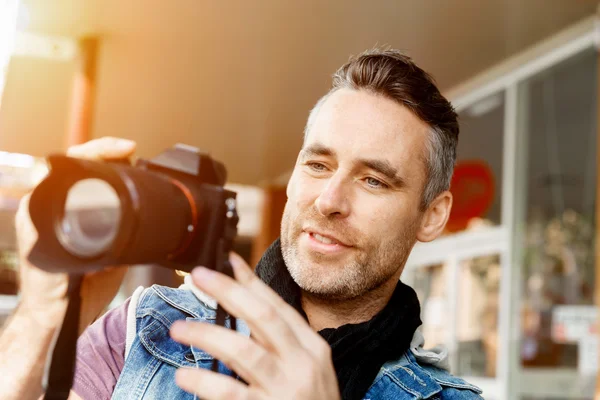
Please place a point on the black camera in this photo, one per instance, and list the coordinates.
(172, 211)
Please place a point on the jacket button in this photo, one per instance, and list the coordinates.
(190, 357)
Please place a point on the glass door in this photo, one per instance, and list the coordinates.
(558, 349)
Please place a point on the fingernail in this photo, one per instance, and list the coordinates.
(124, 144)
(202, 273)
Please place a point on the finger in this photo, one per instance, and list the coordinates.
(105, 148)
(267, 326)
(305, 334)
(240, 353)
(210, 385)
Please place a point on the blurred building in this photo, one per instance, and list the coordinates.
(509, 289)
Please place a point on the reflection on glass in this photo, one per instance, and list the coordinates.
(478, 173)
(477, 317)
(430, 284)
(558, 264)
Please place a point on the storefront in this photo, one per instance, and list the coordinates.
(511, 290)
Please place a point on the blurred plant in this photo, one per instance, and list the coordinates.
(559, 259)
(485, 268)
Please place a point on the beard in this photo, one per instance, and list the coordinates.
(367, 265)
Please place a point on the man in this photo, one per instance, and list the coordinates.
(328, 317)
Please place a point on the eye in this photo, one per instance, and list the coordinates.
(316, 166)
(375, 183)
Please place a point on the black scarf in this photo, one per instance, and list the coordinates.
(358, 350)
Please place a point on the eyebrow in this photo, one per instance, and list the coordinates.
(382, 167)
(317, 149)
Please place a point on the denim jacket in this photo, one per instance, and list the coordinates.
(152, 357)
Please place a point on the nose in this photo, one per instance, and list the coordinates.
(333, 199)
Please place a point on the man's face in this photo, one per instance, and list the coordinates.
(352, 213)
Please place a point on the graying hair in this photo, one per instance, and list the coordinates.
(395, 76)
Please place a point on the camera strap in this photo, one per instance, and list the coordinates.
(61, 366)
(223, 266)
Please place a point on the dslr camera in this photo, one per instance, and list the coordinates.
(171, 210)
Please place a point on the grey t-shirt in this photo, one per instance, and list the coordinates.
(101, 355)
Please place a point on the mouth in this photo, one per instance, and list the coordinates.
(325, 239)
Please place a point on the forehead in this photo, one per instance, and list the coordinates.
(359, 124)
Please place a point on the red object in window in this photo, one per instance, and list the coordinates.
(473, 190)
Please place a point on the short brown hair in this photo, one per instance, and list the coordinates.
(394, 75)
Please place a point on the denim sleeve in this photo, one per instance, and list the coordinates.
(101, 355)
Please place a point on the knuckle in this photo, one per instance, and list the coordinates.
(268, 314)
(263, 360)
(254, 354)
(250, 356)
(247, 350)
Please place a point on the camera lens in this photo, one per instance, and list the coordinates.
(91, 218)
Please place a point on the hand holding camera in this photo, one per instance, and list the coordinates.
(97, 211)
(44, 293)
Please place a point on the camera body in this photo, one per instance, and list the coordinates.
(171, 210)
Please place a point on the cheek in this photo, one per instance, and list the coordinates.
(301, 191)
(383, 220)
(369, 216)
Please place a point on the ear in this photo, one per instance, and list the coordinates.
(435, 218)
